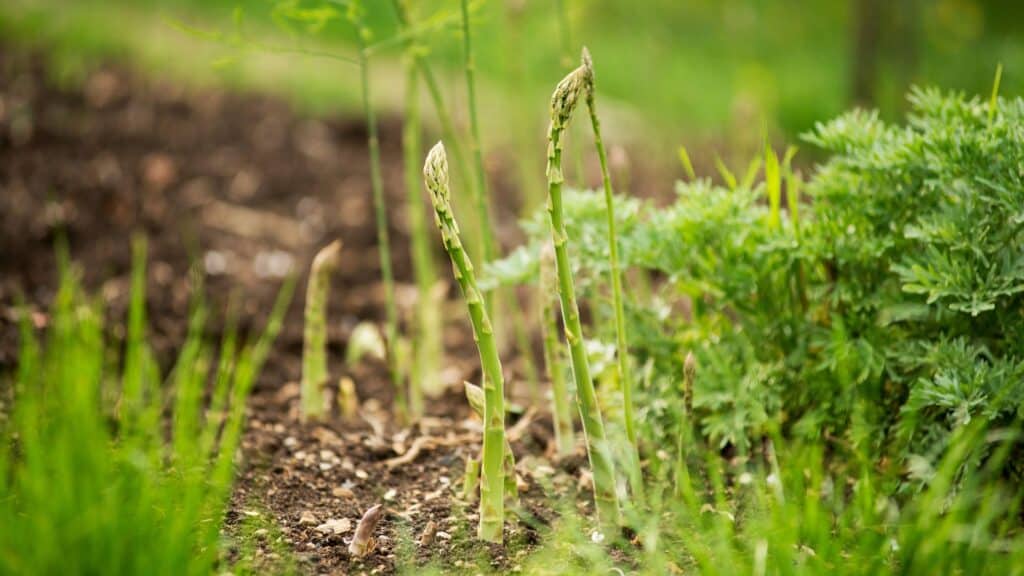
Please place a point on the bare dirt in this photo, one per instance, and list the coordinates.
(248, 190)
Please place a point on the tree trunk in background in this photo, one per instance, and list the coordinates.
(867, 26)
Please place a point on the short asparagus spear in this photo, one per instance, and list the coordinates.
(314, 345)
(492, 497)
(563, 102)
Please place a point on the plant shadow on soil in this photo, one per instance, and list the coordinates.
(247, 190)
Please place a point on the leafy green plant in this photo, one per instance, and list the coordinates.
(121, 471)
(492, 497)
(879, 311)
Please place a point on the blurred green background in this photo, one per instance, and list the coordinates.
(699, 72)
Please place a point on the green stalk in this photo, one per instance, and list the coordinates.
(482, 197)
(492, 497)
(444, 118)
(563, 102)
(477, 401)
(383, 238)
(621, 343)
(560, 413)
(314, 343)
(424, 377)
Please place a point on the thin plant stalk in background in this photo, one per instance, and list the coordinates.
(492, 497)
(355, 15)
(314, 342)
(563, 103)
(561, 415)
(621, 343)
(482, 197)
(444, 117)
(424, 375)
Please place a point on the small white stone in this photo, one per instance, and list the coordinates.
(335, 526)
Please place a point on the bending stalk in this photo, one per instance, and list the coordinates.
(560, 413)
(383, 238)
(314, 344)
(492, 497)
(563, 102)
(621, 344)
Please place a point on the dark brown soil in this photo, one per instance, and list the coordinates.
(247, 189)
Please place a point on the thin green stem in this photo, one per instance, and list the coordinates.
(383, 237)
(563, 103)
(482, 198)
(492, 497)
(622, 344)
(444, 118)
(427, 349)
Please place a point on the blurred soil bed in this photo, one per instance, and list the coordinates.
(248, 190)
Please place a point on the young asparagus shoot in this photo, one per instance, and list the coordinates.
(492, 498)
(621, 342)
(348, 399)
(364, 34)
(475, 397)
(563, 103)
(314, 344)
(363, 541)
(561, 415)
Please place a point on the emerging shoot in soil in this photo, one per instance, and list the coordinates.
(314, 344)
(492, 501)
(563, 103)
(363, 541)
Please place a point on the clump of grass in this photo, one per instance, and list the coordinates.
(563, 103)
(492, 502)
(314, 345)
(90, 480)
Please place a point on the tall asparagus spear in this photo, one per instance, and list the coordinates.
(492, 493)
(563, 103)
